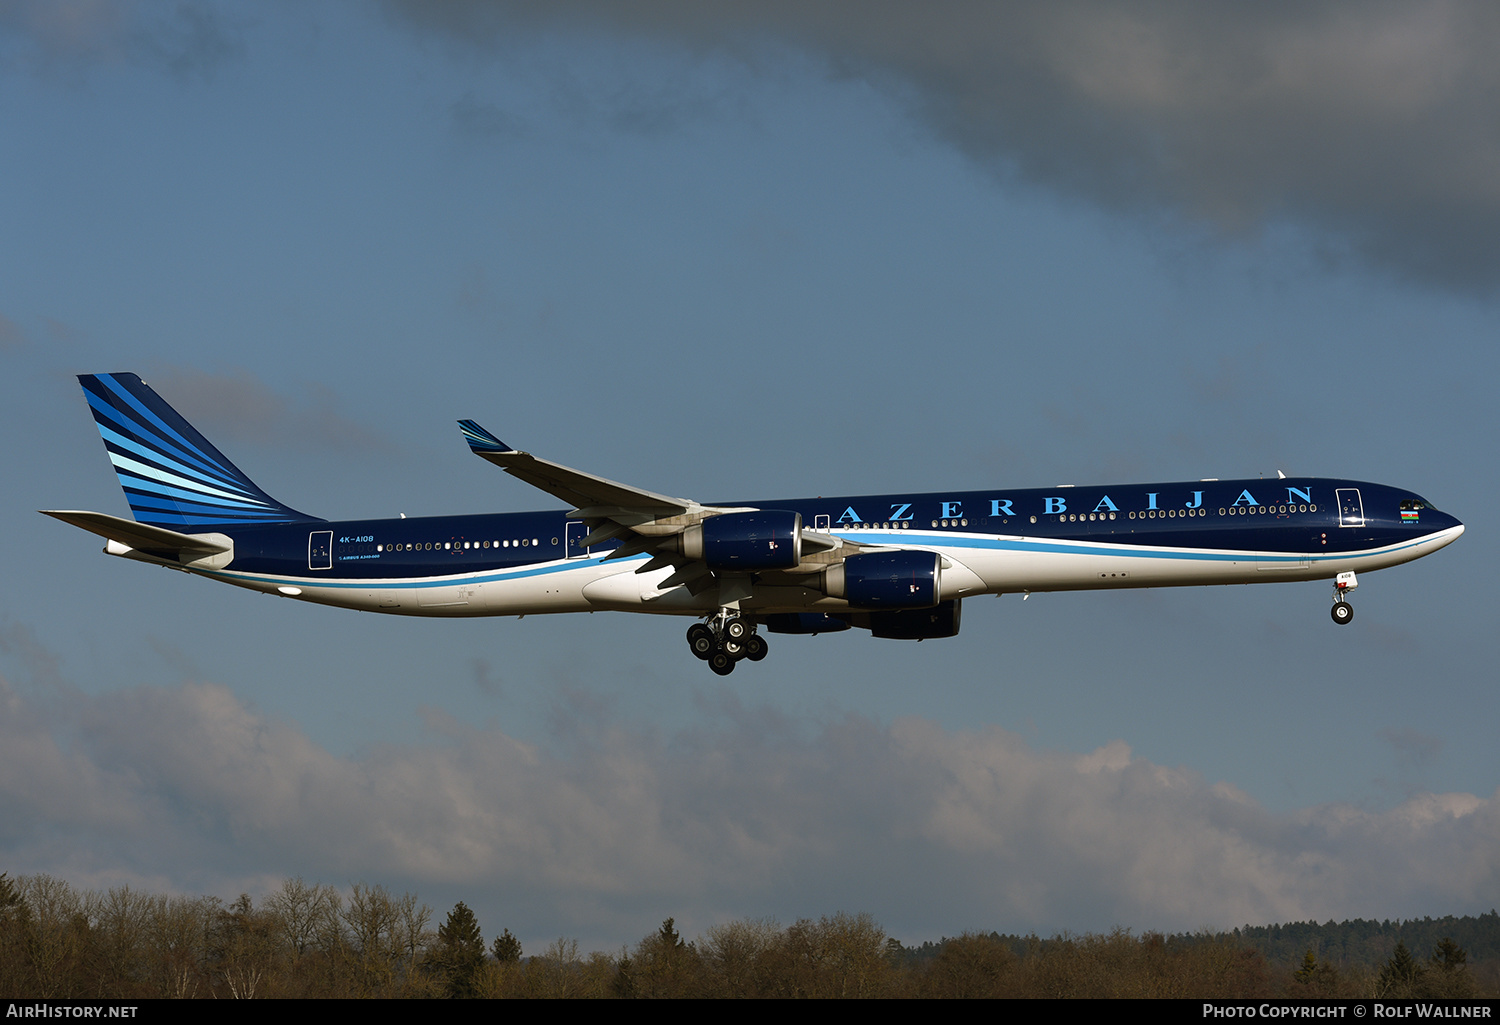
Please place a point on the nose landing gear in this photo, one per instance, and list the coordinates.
(1342, 611)
(725, 639)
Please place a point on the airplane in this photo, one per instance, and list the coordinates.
(898, 565)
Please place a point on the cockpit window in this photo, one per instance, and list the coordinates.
(1416, 505)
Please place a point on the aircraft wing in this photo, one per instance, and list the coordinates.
(644, 521)
(584, 491)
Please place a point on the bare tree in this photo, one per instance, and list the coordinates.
(177, 930)
(734, 954)
(243, 947)
(55, 937)
(307, 914)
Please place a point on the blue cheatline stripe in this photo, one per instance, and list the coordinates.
(388, 583)
(117, 388)
(1136, 551)
(102, 410)
(542, 569)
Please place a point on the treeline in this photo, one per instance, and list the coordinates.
(1367, 942)
(1353, 944)
(307, 940)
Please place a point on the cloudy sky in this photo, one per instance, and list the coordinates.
(738, 251)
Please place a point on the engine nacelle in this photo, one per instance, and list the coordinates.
(917, 624)
(750, 541)
(886, 580)
(803, 623)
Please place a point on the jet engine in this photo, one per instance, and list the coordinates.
(748, 541)
(886, 580)
(916, 624)
(803, 623)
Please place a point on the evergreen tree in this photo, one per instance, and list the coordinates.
(507, 948)
(1318, 978)
(1309, 968)
(1448, 971)
(460, 951)
(1400, 975)
(1448, 956)
(664, 965)
(624, 982)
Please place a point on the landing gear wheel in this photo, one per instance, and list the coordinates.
(736, 629)
(721, 663)
(756, 647)
(701, 640)
(1342, 612)
(735, 649)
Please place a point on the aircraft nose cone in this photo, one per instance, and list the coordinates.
(1452, 530)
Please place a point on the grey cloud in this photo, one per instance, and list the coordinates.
(188, 40)
(1371, 126)
(602, 95)
(241, 407)
(11, 335)
(191, 41)
(471, 115)
(1414, 749)
(928, 828)
(485, 678)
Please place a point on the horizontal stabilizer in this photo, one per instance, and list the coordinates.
(141, 536)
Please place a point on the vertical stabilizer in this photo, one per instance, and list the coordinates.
(172, 476)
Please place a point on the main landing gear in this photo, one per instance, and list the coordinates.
(1342, 611)
(725, 639)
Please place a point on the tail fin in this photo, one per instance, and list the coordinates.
(172, 476)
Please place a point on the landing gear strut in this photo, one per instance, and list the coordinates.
(1342, 611)
(725, 639)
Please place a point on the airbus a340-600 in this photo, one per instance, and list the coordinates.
(898, 565)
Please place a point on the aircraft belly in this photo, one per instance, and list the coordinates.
(559, 590)
(639, 592)
(457, 595)
(1085, 569)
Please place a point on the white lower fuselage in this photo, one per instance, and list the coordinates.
(973, 564)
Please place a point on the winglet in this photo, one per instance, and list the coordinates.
(481, 440)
